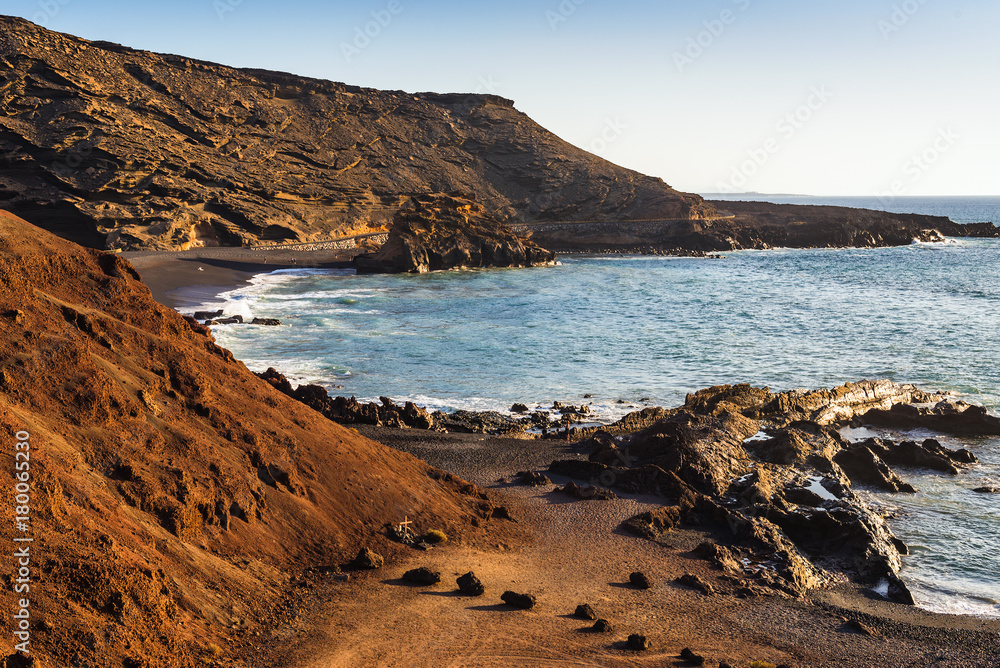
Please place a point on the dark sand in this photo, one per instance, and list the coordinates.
(575, 553)
(179, 279)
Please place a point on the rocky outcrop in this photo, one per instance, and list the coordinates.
(119, 148)
(435, 232)
(772, 472)
(349, 410)
(950, 417)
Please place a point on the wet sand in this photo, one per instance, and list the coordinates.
(179, 278)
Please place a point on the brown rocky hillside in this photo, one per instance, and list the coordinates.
(176, 498)
(118, 148)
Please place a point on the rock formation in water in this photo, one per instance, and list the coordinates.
(119, 148)
(435, 232)
(774, 476)
(176, 498)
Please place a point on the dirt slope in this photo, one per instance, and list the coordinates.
(175, 497)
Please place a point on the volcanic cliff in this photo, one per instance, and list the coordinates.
(177, 501)
(119, 148)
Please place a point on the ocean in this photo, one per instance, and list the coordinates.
(634, 331)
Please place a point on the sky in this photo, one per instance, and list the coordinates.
(815, 97)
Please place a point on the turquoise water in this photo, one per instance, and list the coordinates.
(647, 330)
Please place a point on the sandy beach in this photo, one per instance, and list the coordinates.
(574, 552)
(208, 271)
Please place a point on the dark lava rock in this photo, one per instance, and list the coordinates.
(523, 601)
(349, 410)
(691, 657)
(584, 611)
(865, 467)
(654, 523)
(696, 583)
(501, 513)
(638, 643)
(519, 408)
(950, 417)
(234, 320)
(587, 493)
(602, 626)
(480, 422)
(639, 580)
(268, 322)
(987, 490)
(928, 454)
(368, 560)
(533, 479)
(422, 576)
(208, 315)
(438, 231)
(470, 585)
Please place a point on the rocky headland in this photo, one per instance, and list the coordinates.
(753, 225)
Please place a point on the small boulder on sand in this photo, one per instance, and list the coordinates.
(422, 576)
(470, 585)
(639, 580)
(523, 601)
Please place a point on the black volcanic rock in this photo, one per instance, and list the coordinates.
(120, 148)
(438, 231)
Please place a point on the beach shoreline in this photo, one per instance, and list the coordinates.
(577, 553)
(179, 278)
(820, 630)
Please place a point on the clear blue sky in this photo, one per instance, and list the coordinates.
(822, 97)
